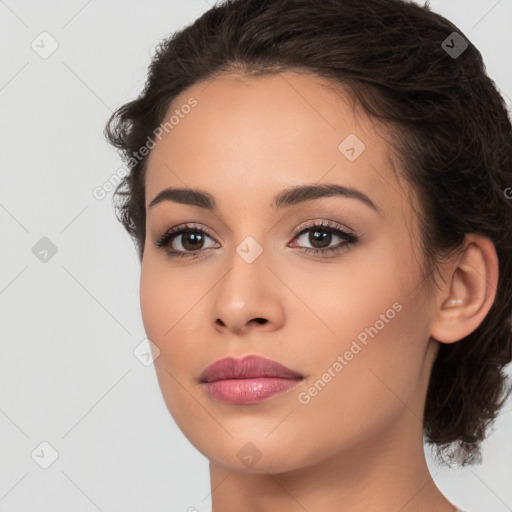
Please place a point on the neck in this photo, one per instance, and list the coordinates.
(386, 474)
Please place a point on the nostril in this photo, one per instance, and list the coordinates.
(260, 320)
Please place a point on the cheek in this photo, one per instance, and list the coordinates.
(350, 401)
(347, 298)
(155, 300)
(163, 303)
(374, 306)
(166, 303)
(174, 318)
(165, 298)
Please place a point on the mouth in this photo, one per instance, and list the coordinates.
(248, 380)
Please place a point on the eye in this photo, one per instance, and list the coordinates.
(184, 241)
(188, 240)
(320, 235)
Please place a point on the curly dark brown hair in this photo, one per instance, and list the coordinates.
(452, 138)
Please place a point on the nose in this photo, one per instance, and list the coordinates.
(248, 298)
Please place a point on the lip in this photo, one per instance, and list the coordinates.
(247, 380)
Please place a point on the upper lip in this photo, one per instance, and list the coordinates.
(246, 368)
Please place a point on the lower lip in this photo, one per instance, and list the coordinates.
(249, 391)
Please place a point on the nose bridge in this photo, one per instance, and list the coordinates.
(247, 267)
(246, 290)
(250, 243)
(250, 239)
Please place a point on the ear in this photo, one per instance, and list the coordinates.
(468, 290)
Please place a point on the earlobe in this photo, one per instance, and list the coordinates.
(468, 293)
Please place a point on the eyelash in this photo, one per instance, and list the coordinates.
(326, 226)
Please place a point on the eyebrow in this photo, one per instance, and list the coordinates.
(287, 197)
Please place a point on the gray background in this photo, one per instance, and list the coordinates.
(69, 325)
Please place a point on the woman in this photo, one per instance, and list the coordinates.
(318, 197)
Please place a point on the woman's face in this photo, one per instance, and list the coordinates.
(352, 319)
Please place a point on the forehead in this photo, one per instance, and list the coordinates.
(247, 138)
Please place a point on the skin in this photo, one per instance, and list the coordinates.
(357, 445)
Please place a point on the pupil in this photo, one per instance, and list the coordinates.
(324, 237)
(191, 236)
